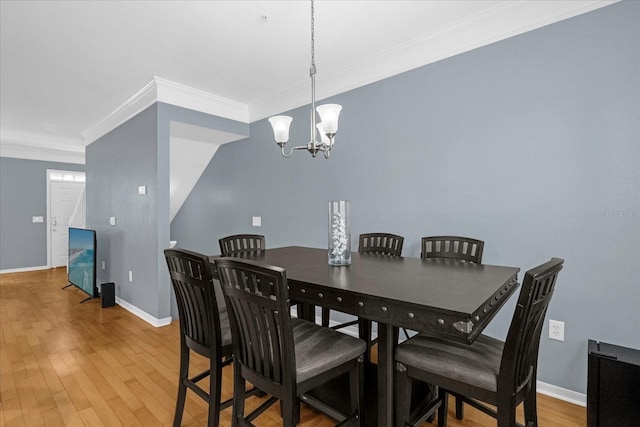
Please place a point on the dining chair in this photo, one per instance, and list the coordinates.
(453, 247)
(380, 243)
(284, 356)
(204, 329)
(373, 243)
(243, 243)
(490, 371)
(456, 247)
(239, 243)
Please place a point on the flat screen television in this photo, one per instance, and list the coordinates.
(82, 260)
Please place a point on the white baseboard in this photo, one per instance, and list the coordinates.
(21, 270)
(562, 393)
(154, 321)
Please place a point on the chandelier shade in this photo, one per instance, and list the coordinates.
(329, 114)
(323, 137)
(280, 125)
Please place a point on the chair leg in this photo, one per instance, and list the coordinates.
(364, 332)
(403, 396)
(506, 409)
(215, 390)
(238, 396)
(433, 392)
(444, 407)
(459, 408)
(356, 391)
(531, 406)
(325, 316)
(296, 411)
(290, 411)
(296, 406)
(182, 388)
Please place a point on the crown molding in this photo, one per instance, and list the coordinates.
(514, 18)
(195, 99)
(43, 152)
(137, 103)
(168, 92)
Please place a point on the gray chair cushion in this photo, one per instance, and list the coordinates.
(477, 364)
(319, 349)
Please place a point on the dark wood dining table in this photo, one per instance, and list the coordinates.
(445, 298)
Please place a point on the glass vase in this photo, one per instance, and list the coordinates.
(339, 233)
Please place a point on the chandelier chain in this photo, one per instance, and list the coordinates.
(313, 49)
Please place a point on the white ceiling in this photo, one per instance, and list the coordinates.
(66, 65)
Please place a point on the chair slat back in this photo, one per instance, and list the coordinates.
(239, 243)
(455, 247)
(381, 243)
(519, 358)
(258, 302)
(192, 284)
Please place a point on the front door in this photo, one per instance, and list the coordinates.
(63, 199)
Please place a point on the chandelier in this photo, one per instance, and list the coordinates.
(327, 127)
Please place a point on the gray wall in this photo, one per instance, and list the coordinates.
(167, 114)
(531, 144)
(23, 195)
(116, 164)
(133, 154)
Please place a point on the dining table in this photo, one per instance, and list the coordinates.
(445, 298)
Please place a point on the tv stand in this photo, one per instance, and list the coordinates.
(84, 300)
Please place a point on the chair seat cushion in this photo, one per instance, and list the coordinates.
(476, 364)
(319, 349)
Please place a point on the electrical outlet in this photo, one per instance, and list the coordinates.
(556, 330)
(104, 265)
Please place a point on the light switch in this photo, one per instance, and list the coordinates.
(37, 219)
(142, 189)
(112, 220)
(257, 221)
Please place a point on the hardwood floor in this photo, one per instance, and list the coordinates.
(63, 363)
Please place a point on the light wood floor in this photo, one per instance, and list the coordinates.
(63, 363)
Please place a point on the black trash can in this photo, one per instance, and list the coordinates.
(108, 294)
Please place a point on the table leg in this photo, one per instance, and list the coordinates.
(307, 312)
(386, 346)
(364, 332)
